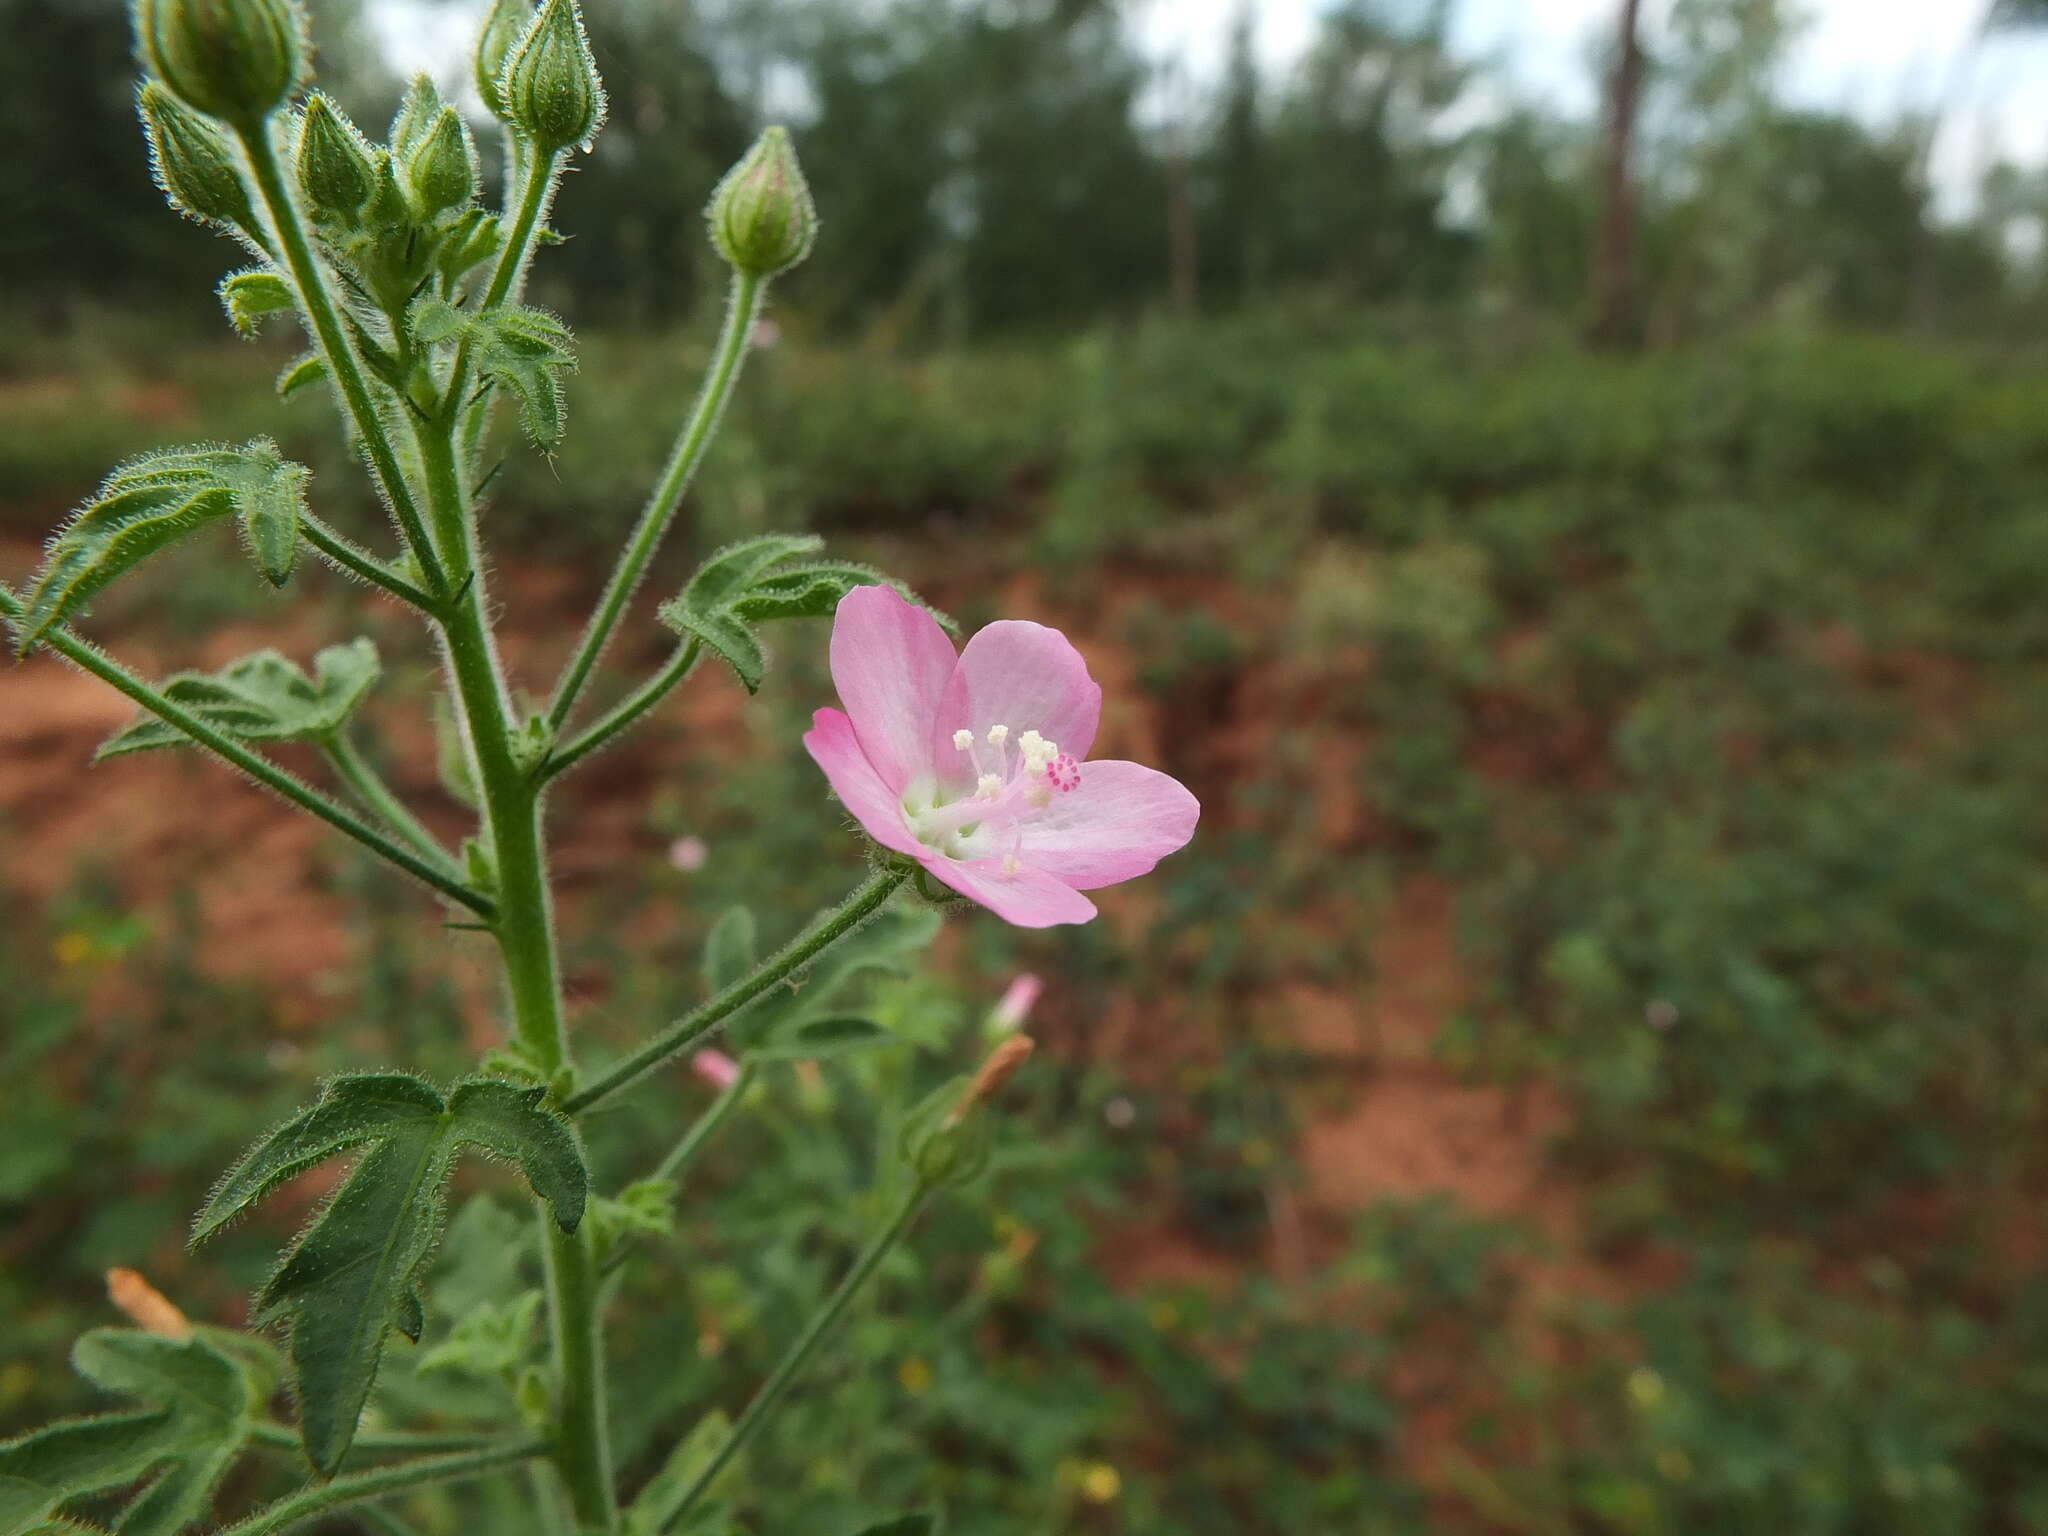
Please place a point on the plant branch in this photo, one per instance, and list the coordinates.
(90, 659)
(626, 713)
(343, 366)
(825, 930)
(285, 1437)
(356, 560)
(742, 305)
(765, 1400)
(371, 789)
(325, 1498)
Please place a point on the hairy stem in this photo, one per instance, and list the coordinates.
(627, 712)
(379, 797)
(343, 366)
(526, 942)
(89, 659)
(325, 1498)
(357, 561)
(825, 930)
(284, 1437)
(742, 305)
(765, 1400)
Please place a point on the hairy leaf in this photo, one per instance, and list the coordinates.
(249, 295)
(197, 1423)
(352, 1276)
(729, 949)
(751, 581)
(298, 373)
(262, 697)
(156, 500)
(526, 350)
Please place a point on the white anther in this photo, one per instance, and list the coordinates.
(1010, 864)
(963, 740)
(997, 735)
(990, 787)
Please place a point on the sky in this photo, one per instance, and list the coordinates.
(1871, 57)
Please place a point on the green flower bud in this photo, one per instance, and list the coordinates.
(416, 115)
(335, 167)
(232, 59)
(762, 218)
(503, 28)
(550, 87)
(194, 162)
(441, 170)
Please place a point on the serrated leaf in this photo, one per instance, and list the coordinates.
(298, 373)
(249, 296)
(829, 1036)
(197, 1424)
(526, 350)
(262, 697)
(751, 581)
(490, 1341)
(433, 320)
(153, 501)
(352, 1275)
(656, 1507)
(730, 948)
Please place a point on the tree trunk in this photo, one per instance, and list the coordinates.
(1616, 321)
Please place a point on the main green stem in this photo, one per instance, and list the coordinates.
(342, 364)
(741, 307)
(526, 942)
(770, 1394)
(827, 929)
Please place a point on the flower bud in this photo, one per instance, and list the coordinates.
(194, 162)
(503, 28)
(416, 115)
(441, 170)
(550, 88)
(762, 218)
(232, 59)
(335, 168)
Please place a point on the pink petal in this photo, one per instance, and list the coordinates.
(1123, 819)
(890, 662)
(1030, 898)
(836, 748)
(1022, 675)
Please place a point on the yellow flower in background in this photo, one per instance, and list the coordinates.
(1101, 1483)
(72, 949)
(1257, 1153)
(1675, 1465)
(914, 1376)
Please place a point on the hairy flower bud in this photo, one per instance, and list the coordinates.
(550, 87)
(503, 28)
(761, 216)
(441, 170)
(416, 115)
(335, 167)
(232, 59)
(194, 162)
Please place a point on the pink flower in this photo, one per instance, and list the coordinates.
(688, 854)
(974, 765)
(1016, 1003)
(716, 1068)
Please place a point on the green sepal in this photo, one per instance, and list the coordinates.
(153, 501)
(940, 1149)
(251, 294)
(416, 116)
(337, 169)
(470, 240)
(352, 1275)
(261, 697)
(196, 1424)
(441, 169)
(752, 581)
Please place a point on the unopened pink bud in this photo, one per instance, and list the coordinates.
(716, 1068)
(688, 854)
(1015, 1006)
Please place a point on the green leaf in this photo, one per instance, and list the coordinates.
(198, 1421)
(751, 581)
(434, 320)
(352, 1275)
(901, 1525)
(642, 1209)
(655, 1509)
(262, 697)
(491, 1340)
(300, 372)
(729, 949)
(154, 501)
(525, 350)
(249, 295)
(821, 1037)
